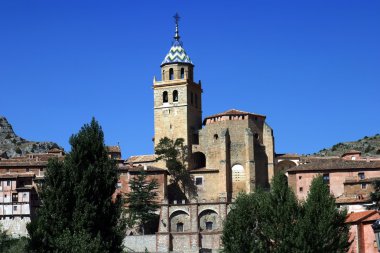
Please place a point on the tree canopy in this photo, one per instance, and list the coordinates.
(275, 221)
(77, 213)
(141, 200)
(175, 155)
(375, 195)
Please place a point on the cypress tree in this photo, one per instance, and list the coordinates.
(281, 214)
(322, 227)
(263, 221)
(141, 201)
(77, 212)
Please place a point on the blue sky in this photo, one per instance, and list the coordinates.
(313, 67)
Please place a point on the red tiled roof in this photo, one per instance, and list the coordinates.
(141, 159)
(234, 112)
(335, 164)
(362, 216)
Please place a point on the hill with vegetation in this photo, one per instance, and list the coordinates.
(368, 145)
(12, 145)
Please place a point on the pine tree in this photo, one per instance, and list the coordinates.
(322, 227)
(281, 214)
(141, 201)
(174, 153)
(242, 230)
(375, 195)
(275, 222)
(77, 212)
(263, 221)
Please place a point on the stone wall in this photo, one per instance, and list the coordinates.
(138, 243)
(196, 234)
(15, 226)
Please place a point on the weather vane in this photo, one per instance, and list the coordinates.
(176, 18)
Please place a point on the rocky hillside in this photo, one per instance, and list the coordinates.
(12, 145)
(369, 146)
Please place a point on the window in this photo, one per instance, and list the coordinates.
(175, 96)
(180, 227)
(326, 178)
(14, 208)
(208, 225)
(199, 181)
(14, 197)
(238, 174)
(8, 183)
(165, 97)
(27, 170)
(171, 74)
(361, 175)
(364, 186)
(215, 137)
(300, 177)
(163, 75)
(301, 189)
(182, 73)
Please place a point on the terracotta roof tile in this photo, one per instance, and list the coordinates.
(360, 216)
(335, 164)
(234, 112)
(141, 159)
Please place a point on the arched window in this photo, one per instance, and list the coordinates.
(175, 96)
(163, 75)
(182, 73)
(238, 174)
(165, 97)
(171, 74)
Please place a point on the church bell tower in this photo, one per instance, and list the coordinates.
(177, 98)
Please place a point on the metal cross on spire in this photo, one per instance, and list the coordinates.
(176, 18)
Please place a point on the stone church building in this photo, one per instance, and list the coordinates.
(229, 152)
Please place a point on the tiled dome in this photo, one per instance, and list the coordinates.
(177, 54)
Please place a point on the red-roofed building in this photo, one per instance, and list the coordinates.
(362, 237)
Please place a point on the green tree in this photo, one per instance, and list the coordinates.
(322, 227)
(242, 231)
(280, 214)
(175, 154)
(77, 212)
(11, 245)
(275, 221)
(375, 195)
(141, 201)
(263, 221)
